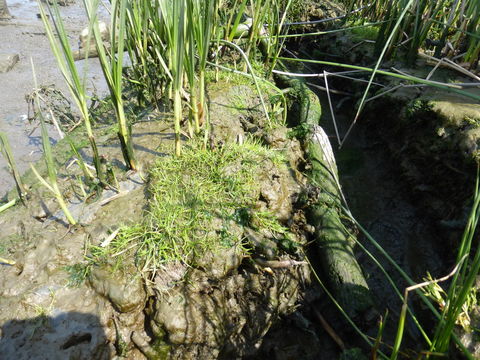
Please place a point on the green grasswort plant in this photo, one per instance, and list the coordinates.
(197, 205)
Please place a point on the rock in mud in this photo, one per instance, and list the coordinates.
(8, 61)
(125, 292)
(203, 319)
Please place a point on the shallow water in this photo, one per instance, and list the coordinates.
(24, 35)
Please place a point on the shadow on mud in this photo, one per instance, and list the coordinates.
(69, 335)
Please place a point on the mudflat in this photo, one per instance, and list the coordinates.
(23, 37)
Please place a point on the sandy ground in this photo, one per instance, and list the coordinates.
(24, 35)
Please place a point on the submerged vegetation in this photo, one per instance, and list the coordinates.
(203, 194)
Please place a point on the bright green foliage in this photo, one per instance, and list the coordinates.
(168, 40)
(428, 24)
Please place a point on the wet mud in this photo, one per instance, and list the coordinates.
(24, 36)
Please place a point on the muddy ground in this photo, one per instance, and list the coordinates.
(24, 35)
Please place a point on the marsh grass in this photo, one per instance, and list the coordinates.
(197, 205)
(6, 150)
(202, 26)
(112, 66)
(52, 183)
(145, 50)
(63, 54)
(175, 39)
(463, 282)
(173, 31)
(449, 27)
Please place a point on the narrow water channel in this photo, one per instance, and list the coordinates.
(383, 203)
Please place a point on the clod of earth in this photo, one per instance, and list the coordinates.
(8, 61)
(222, 304)
(87, 45)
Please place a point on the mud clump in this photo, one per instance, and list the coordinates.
(126, 294)
(226, 317)
(225, 304)
(220, 305)
(8, 61)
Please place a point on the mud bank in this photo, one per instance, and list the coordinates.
(407, 170)
(220, 306)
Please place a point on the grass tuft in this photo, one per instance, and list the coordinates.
(194, 205)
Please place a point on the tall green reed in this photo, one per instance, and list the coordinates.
(147, 45)
(145, 74)
(263, 23)
(63, 54)
(275, 43)
(8, 155)
(173, 38)
(174, 26)
(112, 66)
(52, 184)
(203, 17)
(441, 24)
